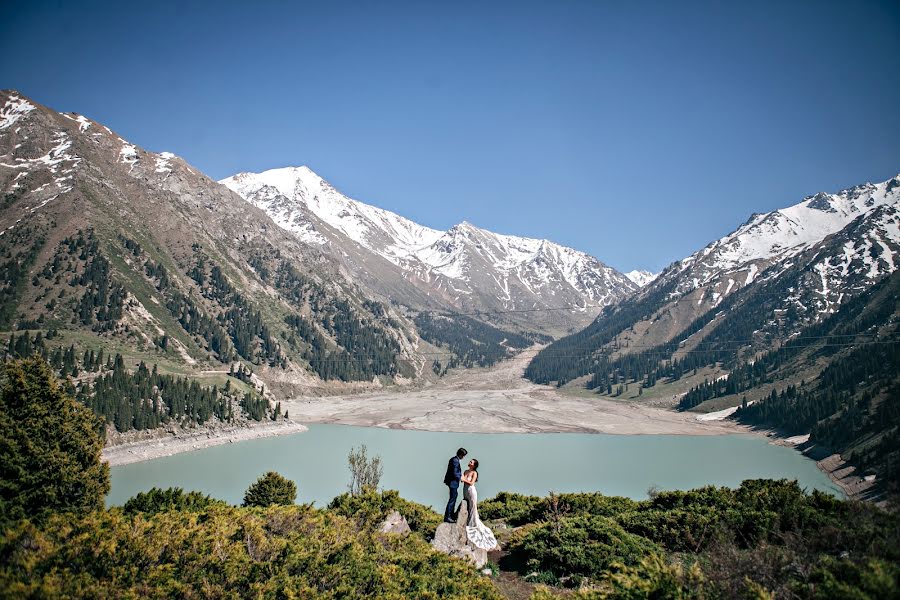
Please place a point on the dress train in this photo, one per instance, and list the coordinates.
(477, 532)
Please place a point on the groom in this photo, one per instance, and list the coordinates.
(451, 480)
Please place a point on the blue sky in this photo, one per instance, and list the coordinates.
(635, 131)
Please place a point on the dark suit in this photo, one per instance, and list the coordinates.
(451, 480)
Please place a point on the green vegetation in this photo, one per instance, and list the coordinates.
(225, 552)
(271, 489)
(142, 398)
(370, 508)
(14, 266)
(156, 500)
(473, 342)
(365, 472)
(764, 539)
(576, 547)
(49, 446)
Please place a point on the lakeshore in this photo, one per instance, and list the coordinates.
(164, 443)
(497, 400)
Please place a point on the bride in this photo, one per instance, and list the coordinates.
(478, 533)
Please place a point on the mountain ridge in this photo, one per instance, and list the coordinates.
(789, 268)
(467, 267)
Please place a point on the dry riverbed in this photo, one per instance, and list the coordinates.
(494, 400)
(497, 400)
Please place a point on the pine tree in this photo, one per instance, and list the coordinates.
(50, 446)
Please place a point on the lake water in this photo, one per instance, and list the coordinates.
(414, 464)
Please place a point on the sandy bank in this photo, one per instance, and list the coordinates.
(167, 445)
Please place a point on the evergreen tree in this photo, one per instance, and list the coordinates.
(50, 446)
(271, 489)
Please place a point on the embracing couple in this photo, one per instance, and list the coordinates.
(477, 532)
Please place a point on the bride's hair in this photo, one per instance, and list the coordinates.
(475, 460)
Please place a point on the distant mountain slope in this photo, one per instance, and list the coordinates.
(641, 278)
(838, 381)
(776, 274)
(118, 248)
(464, 268)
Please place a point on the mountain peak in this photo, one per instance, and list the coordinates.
(466, 265)
(641, 278)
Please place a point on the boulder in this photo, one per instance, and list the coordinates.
(395, 523)
(451, 538)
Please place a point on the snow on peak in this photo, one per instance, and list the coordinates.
(788, 231)
(641, 278)
(163, 162)
(285, 193)
(14, 109)
(462, 253)
(128, 154)
(83, 122)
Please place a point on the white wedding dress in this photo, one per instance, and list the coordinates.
(477, 532)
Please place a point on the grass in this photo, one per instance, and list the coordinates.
(661, 393)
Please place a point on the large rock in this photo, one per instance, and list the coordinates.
(395, 523)
(451, 538)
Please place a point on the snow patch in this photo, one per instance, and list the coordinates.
(163, 162)
(128, 154)
(14, 109)
(641, 278)
(720, 415)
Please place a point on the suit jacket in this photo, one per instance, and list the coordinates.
(454, 472)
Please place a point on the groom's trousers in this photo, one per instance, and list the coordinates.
(450, 511)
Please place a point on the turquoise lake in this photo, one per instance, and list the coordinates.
(414, 463)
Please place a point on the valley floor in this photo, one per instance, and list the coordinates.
(497, 400)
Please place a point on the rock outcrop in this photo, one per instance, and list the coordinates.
(451, 538)
(395, 523)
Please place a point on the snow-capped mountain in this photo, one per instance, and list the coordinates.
(840, 243)
(761, 284)
(127, 247)
(641, 278)
(765, 239)
(465, 267)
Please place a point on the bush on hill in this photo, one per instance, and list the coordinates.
(370, 508)
(157, 500)
(270, 489)
(764, 539)
(578, 546)
(225, 552)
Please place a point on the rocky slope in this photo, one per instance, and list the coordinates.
(117, 248)
(464, 269)
(757, 286)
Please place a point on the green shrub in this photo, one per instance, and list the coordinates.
(677, 530)
(370, 508)
(225, 552)
(581, 545)
(652, 577)
(515, 509)
(518, 509)
(271, 489)
(835, 579)
(594, 503)
(708, 496)
(156, 500)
